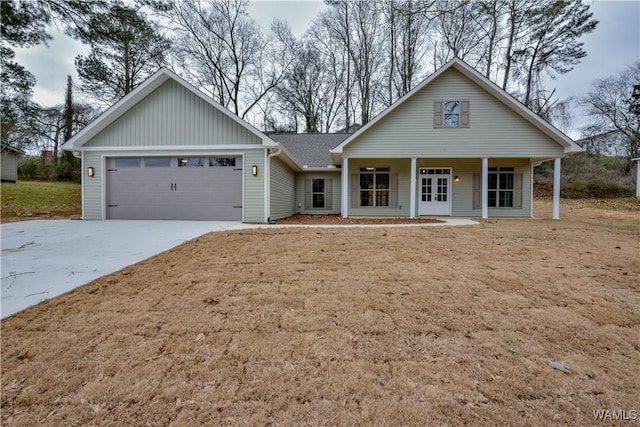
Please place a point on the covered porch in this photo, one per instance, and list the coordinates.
(471, 187)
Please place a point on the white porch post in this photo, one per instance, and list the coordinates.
(412, 189)
(485, 187)
(556, 188)
(344, 210)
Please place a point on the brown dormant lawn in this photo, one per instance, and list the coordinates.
(340, 326)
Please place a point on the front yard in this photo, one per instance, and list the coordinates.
(339, 326)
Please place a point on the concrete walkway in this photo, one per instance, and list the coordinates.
(45, 259)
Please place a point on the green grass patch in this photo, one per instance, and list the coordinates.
(40, 194)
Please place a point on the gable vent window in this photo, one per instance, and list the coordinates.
(451, 114)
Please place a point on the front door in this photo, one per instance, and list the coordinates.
(435, 191)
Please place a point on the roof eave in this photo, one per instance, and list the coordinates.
(328, 168)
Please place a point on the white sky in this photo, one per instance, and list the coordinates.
(614, 45)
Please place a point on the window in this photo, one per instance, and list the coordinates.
(318, 193)
(222, 161)
(374, 186)
(127, 163)
(189, 162)
(157, 162)
(501, 187)
(452, 114)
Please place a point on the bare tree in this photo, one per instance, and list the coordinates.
(458, 32)
(51, 125)
(223, 50)
(613, 103)
(335, 66)
(407, 23)
(309, 90)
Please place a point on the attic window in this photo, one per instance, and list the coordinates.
(451, 114)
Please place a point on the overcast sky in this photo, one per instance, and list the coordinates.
(613, 46)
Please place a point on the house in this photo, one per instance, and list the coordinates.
(9, 165)
(610, 143)
(455, 145)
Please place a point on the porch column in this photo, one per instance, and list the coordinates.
(344, 210)
(556, 188)
(485, 187)
(412, 189)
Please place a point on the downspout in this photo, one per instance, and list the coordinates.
(273, 153)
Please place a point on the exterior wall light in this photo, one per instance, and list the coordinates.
(254, 170)
(456, 178)
(91, 171)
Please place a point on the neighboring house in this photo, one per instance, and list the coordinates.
(9, 165)
(455, 145)
(611, 143)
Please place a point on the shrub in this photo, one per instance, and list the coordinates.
(586, 175)
(35, 168)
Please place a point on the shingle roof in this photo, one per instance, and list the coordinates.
(310, 149)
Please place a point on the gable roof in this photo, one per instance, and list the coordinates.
(311, 150)
(138, 94)
(545, 127)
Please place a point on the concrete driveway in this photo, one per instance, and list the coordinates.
(44, 259)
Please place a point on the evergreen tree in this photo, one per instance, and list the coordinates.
(125, 50)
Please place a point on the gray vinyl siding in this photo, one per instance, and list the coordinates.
(462, 192)
(92, 197)
(495, 130)
(93, 189)
(336, 192)
(254, 197)
(173, 115)
(400, 166)
(283, 183)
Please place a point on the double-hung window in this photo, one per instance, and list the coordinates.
(501, 187)
(451, 113)
(374, 186)
(318, 193)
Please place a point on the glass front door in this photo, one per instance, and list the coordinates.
(435, 191)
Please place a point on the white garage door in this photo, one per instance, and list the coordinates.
(187, 188)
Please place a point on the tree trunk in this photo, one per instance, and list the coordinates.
(68, 119)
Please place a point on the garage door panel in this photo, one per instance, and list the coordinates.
(191, 193)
